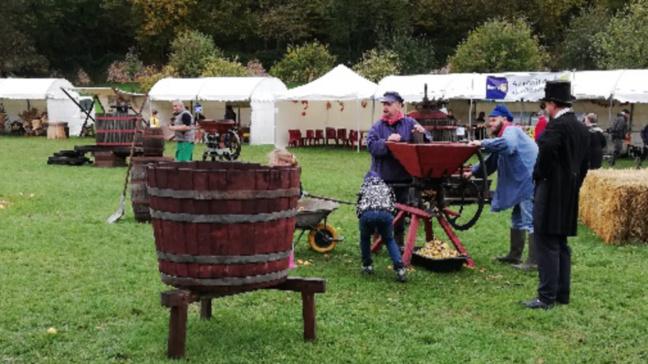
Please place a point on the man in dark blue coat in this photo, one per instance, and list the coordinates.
(558, 174)
(393, 126)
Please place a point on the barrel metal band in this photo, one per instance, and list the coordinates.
(223, 195)
(223, 218)
(222, 259)
(226, 281)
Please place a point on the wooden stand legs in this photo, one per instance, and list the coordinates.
(178, 302)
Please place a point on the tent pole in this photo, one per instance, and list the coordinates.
(470, 112)
(358, 102)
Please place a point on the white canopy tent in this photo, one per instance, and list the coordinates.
(439, 87)
(340, 99)
(257, 94)
(44, 94)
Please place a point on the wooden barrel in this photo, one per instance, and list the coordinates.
(153, 142)
(139, 196)
(107, 159)
(56, 130)
(222, 227)
(117, 130)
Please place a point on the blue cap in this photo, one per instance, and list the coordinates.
(501, 110)
(391, 96)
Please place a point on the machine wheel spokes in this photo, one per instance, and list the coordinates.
(467, 191)
(232, 145)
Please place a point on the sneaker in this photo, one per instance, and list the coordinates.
(367, 269)
(401, 275)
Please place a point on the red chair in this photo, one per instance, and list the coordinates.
(310, 137)
(342, 136)
(330, 134)
(294, 138)
(319, 136)
(353, 138)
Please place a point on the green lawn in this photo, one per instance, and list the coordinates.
(63, 267)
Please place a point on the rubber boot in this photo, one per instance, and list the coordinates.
(531, 263)
(514, 255)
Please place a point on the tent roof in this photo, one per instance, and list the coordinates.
(217, 89)
(340, 83)
(33, 88)
(105, 91)
(170, 89)
(241, 89)
(439, 86)
(592, 85)
(632, 86)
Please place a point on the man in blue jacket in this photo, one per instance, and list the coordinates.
(393, 126)
(512, 154)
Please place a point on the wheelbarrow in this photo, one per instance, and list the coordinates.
(311, 216)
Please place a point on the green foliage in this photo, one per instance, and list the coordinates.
(221, 67)
(190, 52)
(578, 49)
(377, 64)
(151, 75)
(624, 42)
(416, 53)
(498, 46)
(302, 64)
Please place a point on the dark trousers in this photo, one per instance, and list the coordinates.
(554, 267)
(401, 194)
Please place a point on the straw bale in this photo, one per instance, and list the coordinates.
(614, 204)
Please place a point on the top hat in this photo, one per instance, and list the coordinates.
(558, 91)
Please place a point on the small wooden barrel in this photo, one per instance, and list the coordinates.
(56, 130)
(153, 142)
(117, 130)
(222, 227)
(107, 159)
(139, 196)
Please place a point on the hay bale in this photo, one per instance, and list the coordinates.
(614, 204)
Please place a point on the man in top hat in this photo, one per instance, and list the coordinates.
(513, 155)
(393, 126)
(558, 174)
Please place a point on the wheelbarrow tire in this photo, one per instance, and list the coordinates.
(323, 238)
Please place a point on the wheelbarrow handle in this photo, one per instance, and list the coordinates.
(328, 199)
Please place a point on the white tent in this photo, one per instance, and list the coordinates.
(439, 87)
(632, 86)
(254, 95)
(44, 94)
(339, 99)
(594, 85)
(259, 92)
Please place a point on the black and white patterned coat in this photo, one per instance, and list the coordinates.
(375, 195)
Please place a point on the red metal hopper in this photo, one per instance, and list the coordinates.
(433, 160)
(218, 126)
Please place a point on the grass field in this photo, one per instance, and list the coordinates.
(63, 267)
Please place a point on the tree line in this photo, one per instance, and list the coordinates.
(91, 41)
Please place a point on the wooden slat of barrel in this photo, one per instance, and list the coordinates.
(116, 130)
(153, 142)
(222, 227)
(139, 196)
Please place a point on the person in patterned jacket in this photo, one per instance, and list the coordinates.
(375, 209)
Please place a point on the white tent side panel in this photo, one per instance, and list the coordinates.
(67, 111)
(344, 114)
(262, 126)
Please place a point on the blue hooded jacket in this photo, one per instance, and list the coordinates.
(513, 155)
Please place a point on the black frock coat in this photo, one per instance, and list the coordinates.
(559, 173)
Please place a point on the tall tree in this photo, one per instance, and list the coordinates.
(578, 49)
(624, 43)
(498, 46)
(19, 54)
